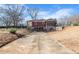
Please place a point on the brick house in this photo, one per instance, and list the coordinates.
(42, 25)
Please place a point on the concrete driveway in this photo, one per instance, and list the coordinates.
(35, 43)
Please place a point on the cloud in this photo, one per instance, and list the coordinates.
(27, 18)
(60, 13)
(43, 14)
(63, 13)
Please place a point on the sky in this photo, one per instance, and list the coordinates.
(55, 10)
(47, 11)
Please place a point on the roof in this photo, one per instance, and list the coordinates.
(41, 20)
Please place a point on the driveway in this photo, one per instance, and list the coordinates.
(35, 43)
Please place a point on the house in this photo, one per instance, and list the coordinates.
(42, 24)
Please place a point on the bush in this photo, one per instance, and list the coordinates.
(13, 31)
(30, 30)
(75, 24)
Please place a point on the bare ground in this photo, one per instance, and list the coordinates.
(69, 37)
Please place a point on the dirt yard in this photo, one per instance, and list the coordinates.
(69, 37)
(58, 42)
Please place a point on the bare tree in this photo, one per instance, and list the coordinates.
(14, 14)
(74, 19)
(33, 13)
(5, 20)
(65, 21)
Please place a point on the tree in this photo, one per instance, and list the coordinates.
(33, 13)
(14, 14)
(65, 21)
(5, 20)
(74, 19)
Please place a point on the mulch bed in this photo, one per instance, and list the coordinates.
(6, 38)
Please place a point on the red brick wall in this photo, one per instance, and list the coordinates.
(35, 24)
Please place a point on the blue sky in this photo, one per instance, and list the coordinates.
(55, 10)
(54, 7)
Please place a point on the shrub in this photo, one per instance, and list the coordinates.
(75, 24)
(30, 30)
(13, 31)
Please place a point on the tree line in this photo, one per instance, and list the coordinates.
(13, 15)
